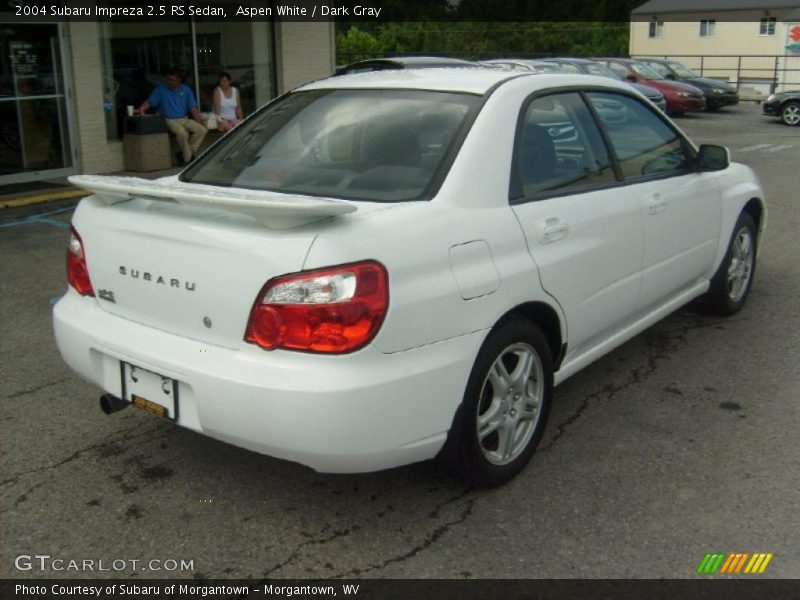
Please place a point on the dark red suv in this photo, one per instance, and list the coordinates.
(680, 97)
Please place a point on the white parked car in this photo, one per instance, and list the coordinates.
(380, 268)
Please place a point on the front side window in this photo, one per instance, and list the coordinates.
(559, 148)
(377, 145)
(643, 143)
(707, 27)
(767, 26)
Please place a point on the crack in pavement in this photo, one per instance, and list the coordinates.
(341, 533)
(115, 437)
(338, 533)
(35, 389)
(429, 540)
(23, 497)
(659, 345)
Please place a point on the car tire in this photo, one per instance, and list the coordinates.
(505, 407)
(731, 283)
(790, 113)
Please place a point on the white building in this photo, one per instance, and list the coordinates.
(749, 42)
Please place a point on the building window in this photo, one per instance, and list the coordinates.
(707, 27)
(656, 29)
(767, 26)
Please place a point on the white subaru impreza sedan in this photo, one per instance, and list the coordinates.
(376, 269)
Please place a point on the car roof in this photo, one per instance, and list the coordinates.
(626, 61)
(519, 61)
(476, 80)
(472, 81)
(656, 60)
(570, 59)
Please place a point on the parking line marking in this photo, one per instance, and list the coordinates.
(751, 148)
(54, 222)
(42, 217)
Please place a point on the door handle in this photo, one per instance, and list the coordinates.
(656, 203)
(552, 229)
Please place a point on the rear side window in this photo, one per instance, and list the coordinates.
(378, 145)
(621, 71)
(659, 68)
(568, 68)
(559, 149)
(644, 144)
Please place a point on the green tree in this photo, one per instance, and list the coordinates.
(356, 45)
(479, 40)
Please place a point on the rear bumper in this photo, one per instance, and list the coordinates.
(353, 413)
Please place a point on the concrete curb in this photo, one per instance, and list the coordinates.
(45, 197)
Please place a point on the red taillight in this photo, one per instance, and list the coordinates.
(332, 310)
(77, 272)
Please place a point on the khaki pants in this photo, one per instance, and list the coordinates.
(189, 134)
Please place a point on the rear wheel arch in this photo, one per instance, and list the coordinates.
(546, 318)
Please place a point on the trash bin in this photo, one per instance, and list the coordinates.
(145, 144)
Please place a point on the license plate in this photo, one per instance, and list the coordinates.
(150, 391)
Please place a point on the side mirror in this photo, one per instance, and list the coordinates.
(713, 158)
(631, 77)
(670, 76)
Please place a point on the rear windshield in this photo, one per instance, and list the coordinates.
(378, 145)
(601, 71)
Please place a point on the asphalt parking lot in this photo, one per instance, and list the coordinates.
(683, 441)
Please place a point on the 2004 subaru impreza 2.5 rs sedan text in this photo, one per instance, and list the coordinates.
(380, 268)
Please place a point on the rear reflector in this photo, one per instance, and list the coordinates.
(77, 272)
(332, 310)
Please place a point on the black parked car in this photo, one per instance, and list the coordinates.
(402, 62)
(717, 93)
(785, 105)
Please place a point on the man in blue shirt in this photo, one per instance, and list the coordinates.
(176, 102)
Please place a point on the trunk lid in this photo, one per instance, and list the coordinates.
(191, 270)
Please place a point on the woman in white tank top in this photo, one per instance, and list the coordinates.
(227, 104)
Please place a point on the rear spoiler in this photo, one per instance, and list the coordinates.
(272, 209)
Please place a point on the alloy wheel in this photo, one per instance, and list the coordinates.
(741, 266)
(510, 403)
(791, 114)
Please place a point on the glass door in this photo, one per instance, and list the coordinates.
(34, 124)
